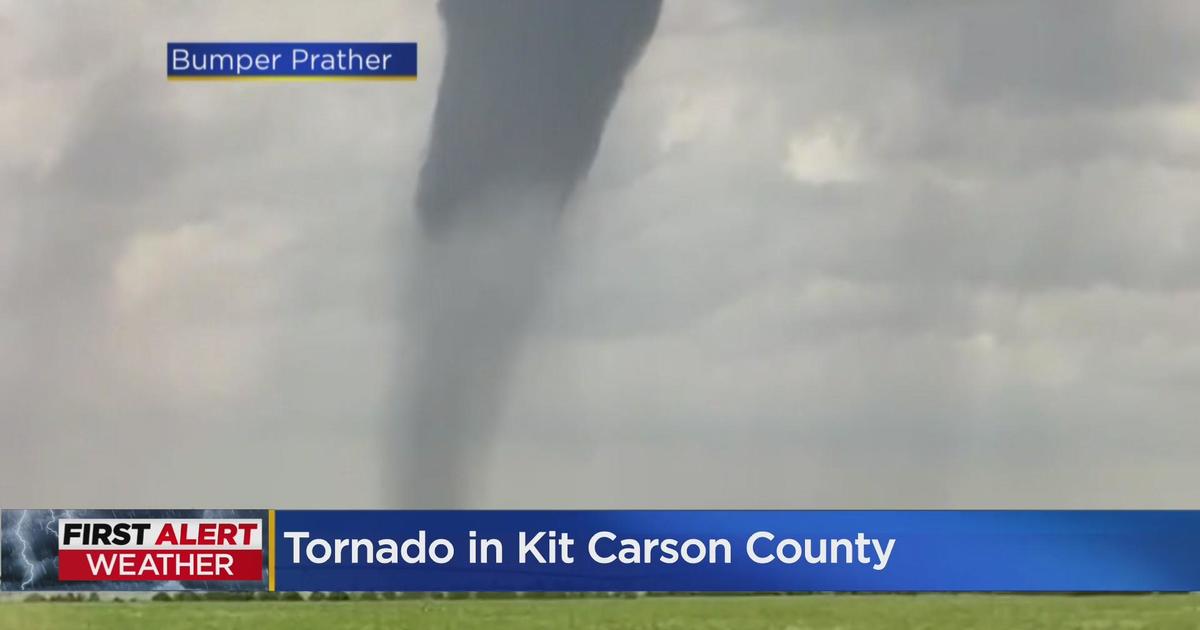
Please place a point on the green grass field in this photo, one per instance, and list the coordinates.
(845, 612)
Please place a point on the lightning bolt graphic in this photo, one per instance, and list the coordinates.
(52, 522)
(30, 565)
(52, 527)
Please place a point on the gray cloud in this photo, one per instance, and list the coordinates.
(830, 254)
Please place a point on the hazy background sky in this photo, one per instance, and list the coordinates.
(831, 254)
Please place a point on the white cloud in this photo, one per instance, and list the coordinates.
(826, 153)
(158, 267)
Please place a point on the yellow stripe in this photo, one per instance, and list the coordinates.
(271, 551)
(294, 79)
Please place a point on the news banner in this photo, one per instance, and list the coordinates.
(602, 550)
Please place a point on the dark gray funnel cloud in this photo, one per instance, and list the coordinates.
(526, 90)
(528, 85)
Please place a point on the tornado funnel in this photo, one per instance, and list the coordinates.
(525, 92)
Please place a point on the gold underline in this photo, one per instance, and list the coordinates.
(271, 551)
(298, 79)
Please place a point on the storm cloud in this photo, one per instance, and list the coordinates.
(876, 254)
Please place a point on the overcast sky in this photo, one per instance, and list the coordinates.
(831, 254)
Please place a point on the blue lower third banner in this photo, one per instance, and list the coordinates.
(608, 550)
(293, 60)
(748, 551)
